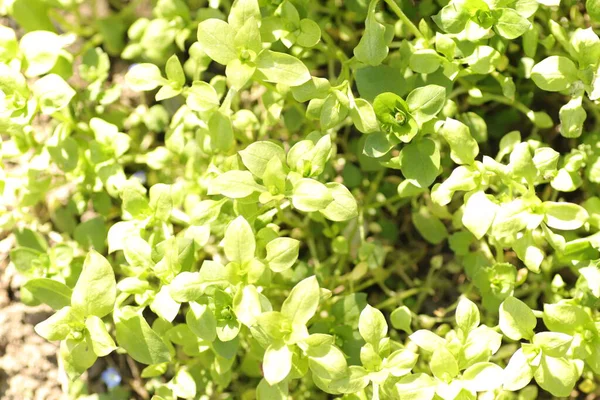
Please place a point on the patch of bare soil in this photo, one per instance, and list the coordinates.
(28, 363)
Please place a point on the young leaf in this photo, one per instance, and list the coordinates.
(96, 288)
(139, 340)
(554, 74)
(372, 325)
(56, 294)
(282, 253)
(144, 77)
(282, 68)
(420, 162)
(216, 39)
(372, 48)
(234, 184)
(240, 244)
(463, 148)
(256, 156)
(511, 24)
(310, 195)
(302, 302)
(277, 363)
(426, 102)
(564, 216)
(516, 319)
(102, 343)
(467, 315)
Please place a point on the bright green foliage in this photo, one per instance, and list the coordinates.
(273, 200)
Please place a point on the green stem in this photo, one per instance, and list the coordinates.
(398, 11)
(392, 301)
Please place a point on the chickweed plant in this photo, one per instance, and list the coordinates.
(295, 199)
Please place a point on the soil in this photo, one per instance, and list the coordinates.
(28, 363)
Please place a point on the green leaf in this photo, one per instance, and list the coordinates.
(426, 102)
(372, 48)
(239, 73)
(202, 96)
(53, 93)
(282, 68)
(41, 50)
(556, 375)
(138, 252)
(593, 9)
(144, 77)
(564, 216)
(479, 214)
(310, 33)
(183, 384)
(483, 60)
(240, 244)
(553, 344)
(174, 71)
(425, 61)
(364, 116)
(420, 162)
(343, 207)
(102, 343)
(164, 305)
(264, 391)
(234, 184)
(400, 362)
(256, 156)
(302, 302)
(327, 362)
(529, 252)
(248, 305)
(587, 46)
(483, 376)
(572, 116)
(58, 326)
(429, 226)
(517, 373)
(554, 74)
(416, 387)
(401, 319)
(516, 319)
(139, 340)
(372, 325)
(65, 154)
(202, 321)
(443, 364)
(161, 201)
(427, 340)
(463, 148)
(49, 291)
(216, 39)
(467, 315)
(310, 195)
(96, 288)
(566, 318)
(452, 18)
(187, 286)
(377, 145)
(241, 11)
(77, 357)
(282, 253)
(277, 363)
(511, 24)
(91, 234)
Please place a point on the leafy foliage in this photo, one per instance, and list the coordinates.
(293, 199)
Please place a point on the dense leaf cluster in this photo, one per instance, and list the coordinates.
(305, 199)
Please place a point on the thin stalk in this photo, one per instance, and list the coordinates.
(398, 11)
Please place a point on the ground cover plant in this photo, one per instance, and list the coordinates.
(307, 199)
